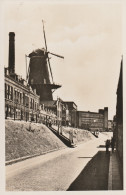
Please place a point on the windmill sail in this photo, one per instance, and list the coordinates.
(46, 51)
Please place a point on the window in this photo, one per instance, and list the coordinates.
(27, 100)
(30, 103)
(18, 96)
(21, 98)
(15, 95)
(11, 93)
(24, 99)
(33, 104)
(8, 91)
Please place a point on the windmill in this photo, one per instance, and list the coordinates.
(39, 72)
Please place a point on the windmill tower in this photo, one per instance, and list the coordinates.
(40, 75)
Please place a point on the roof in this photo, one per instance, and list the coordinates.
(69, 102)
(89, 112)
(71, 105)
(38, 52)
(51, 103)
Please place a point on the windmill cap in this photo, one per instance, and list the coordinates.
(38, 52)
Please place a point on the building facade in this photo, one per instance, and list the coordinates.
(72, 113)
(110, 125)
(65, 115)
(21, 102)
(93, 120)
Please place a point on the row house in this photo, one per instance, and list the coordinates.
(21, 102)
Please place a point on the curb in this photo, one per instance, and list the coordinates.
(10, 162)
(43, 153)
(32, 156)
(110, 173)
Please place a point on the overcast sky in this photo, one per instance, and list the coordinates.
(89, 36)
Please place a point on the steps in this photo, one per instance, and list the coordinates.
(64, 139)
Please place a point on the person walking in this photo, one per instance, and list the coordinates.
(112, 144)
(50, 122)
(107, 145)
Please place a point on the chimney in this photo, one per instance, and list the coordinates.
(11, 65)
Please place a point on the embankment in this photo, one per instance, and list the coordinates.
(25, 138)
(79, 135)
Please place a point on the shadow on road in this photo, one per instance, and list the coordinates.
(101, 146)
(85, 157)
(95, 175)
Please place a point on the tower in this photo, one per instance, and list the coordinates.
(106, 118)
(11, 65)
(39, 77)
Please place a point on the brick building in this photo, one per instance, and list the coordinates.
(21, 102)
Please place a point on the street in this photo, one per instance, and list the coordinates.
(58, 171)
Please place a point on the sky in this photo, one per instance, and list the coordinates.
(88, 35)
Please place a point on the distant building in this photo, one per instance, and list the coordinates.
(105, 118)
(114, 126)
(110, 125)
(50, 105)
(65, 115)
(93, 120)
(72, 109)
(54, 105)
(57, 107)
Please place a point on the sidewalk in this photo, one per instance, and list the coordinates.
(114, 178)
